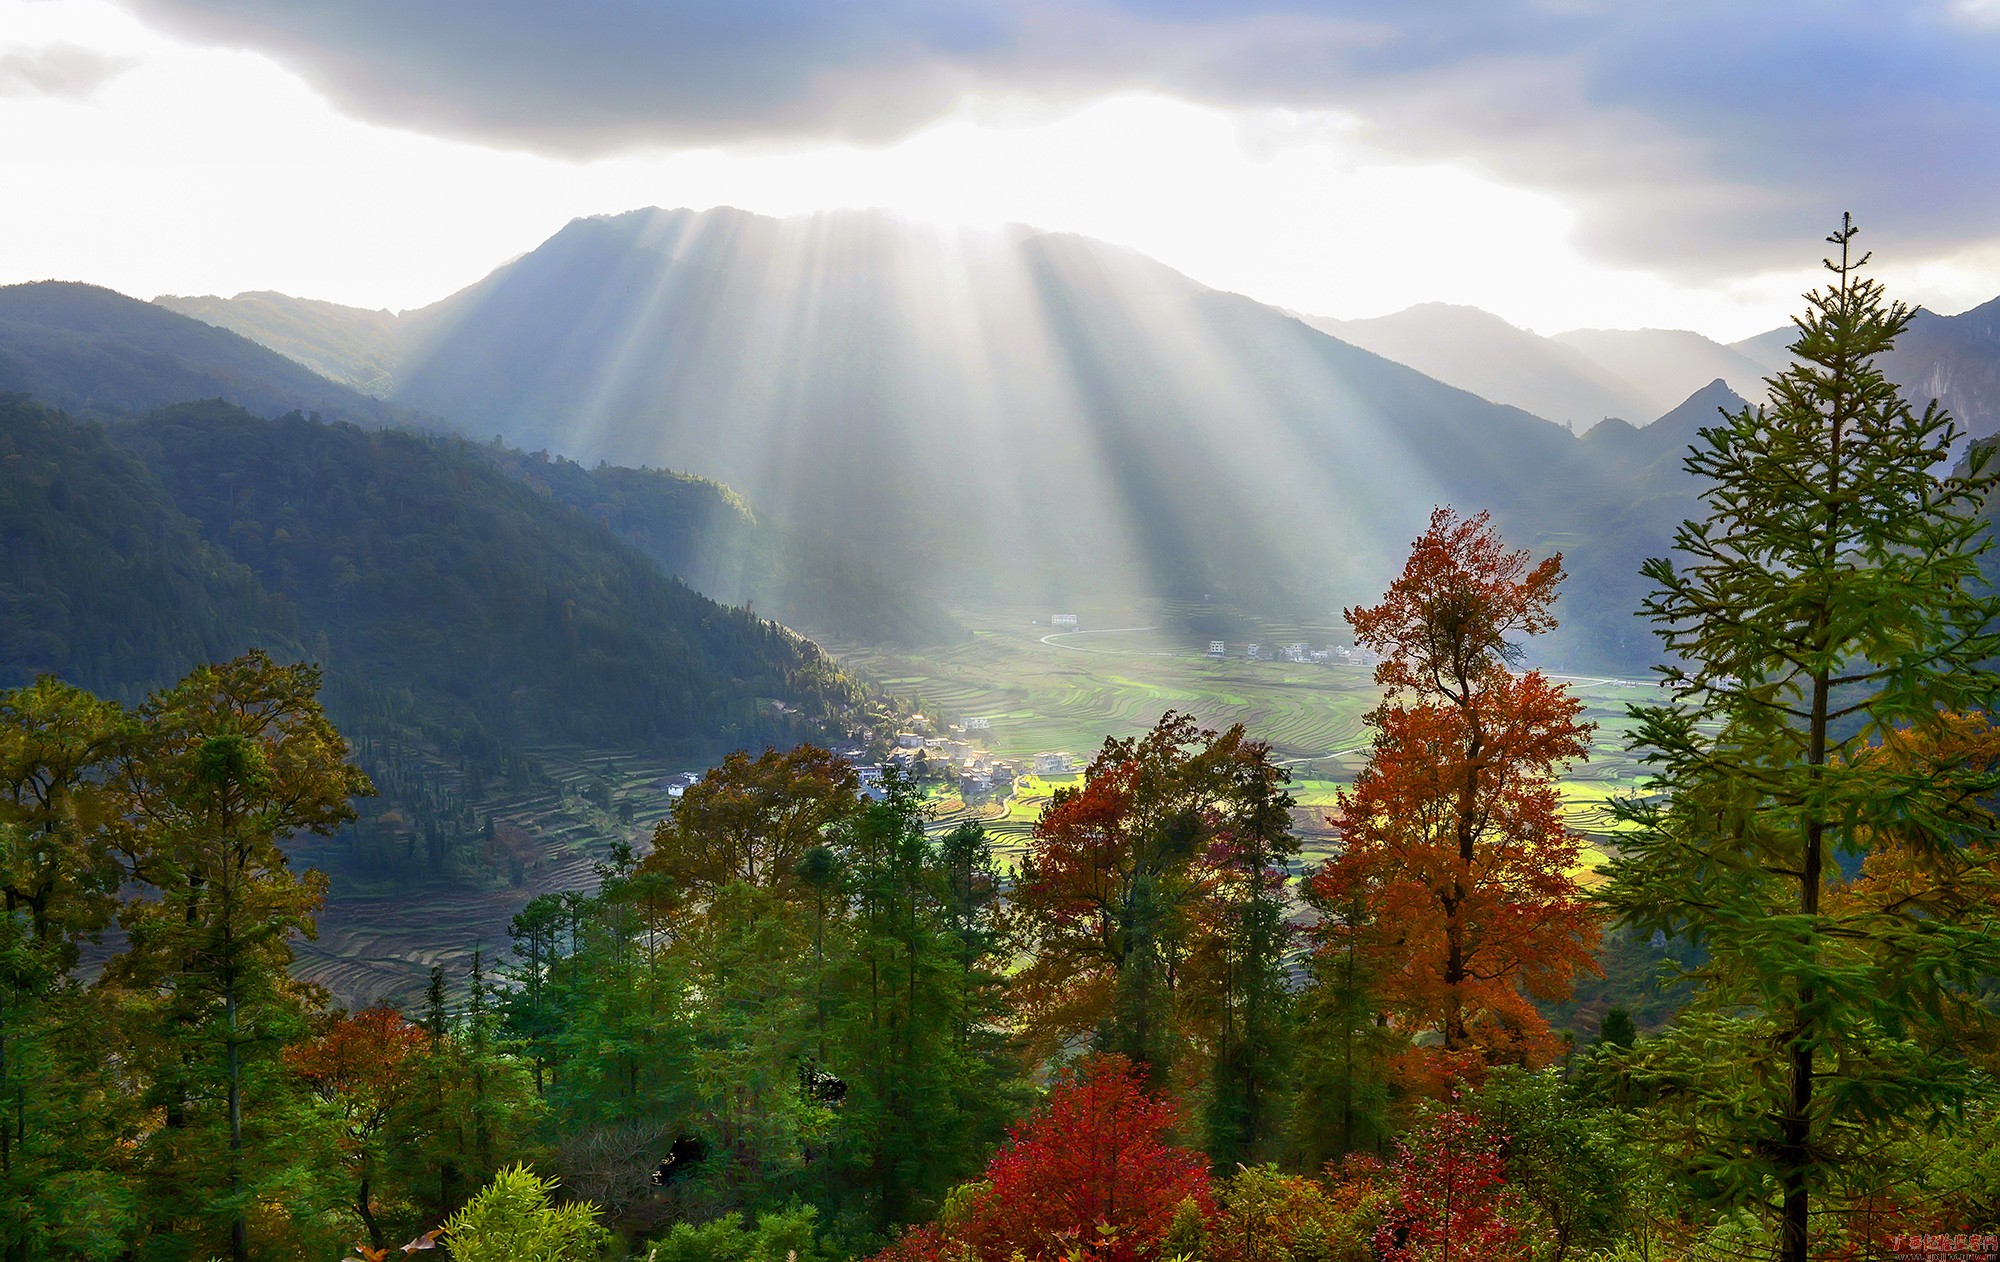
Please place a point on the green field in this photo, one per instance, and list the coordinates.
(1043, 690)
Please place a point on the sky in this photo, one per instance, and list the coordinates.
(1563, 163)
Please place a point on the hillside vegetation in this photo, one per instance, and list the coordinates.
(464, 621)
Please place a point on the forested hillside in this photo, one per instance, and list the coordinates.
(463, 619)
(98, 354)
(108, 582)
(429, 571)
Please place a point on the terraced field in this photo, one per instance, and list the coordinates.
(380, 944)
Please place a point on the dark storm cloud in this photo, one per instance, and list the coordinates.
(58, 70)
(1693, 136)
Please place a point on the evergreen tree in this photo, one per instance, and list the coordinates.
(909, 1011)
(1825, 606)
(1344, 1049)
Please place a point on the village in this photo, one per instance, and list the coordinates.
(945, 756)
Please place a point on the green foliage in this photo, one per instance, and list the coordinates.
(1343, 1059)
(782, 928)
(1566, 1159)
(225, 766)
(1265, 1215)
(172, 818)
(512, 1220)
(785, 1235)
(1827, 623)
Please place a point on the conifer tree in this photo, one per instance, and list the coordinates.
(1827, 604)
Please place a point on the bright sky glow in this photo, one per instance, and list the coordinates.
(194, 170)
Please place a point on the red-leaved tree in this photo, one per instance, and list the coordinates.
(1450, 1196)
(1091, 1176)
(1454, 855)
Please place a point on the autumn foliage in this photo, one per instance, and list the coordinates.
(1091, 1176)
(1150, 907)
(1451, 1197)
(363, 1066)
(1454, 879)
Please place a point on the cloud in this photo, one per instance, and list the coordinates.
(1697, 138)
(58, 70)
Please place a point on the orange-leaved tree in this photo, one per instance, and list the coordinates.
(362, 1066)
(1455, 868)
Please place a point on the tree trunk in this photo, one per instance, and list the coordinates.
(367, 1212)
(239, 1227)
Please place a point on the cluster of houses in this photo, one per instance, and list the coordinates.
(921, 755)
(1294, 653)
(953, 757)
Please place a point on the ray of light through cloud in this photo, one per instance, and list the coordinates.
(193, 169)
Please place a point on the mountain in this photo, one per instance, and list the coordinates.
(944, 412)
(101, 354)
(1956, 360)
(348, 345)
(1666, 365)
(709, 537)
(96, 353)
(464, 620)
(1613, 502)
(1478, 351)
(972, 409)
(1771, 351)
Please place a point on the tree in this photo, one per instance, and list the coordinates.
(58, 886)
(1169, 849)
(1451, 1196)
(1090, 1176)
(751, 821)
(1236, 979)
(1345, 1050)
(1567, 1163)
(1265, 1215)
(1455, 873)
(364, 1069)
(1825, 625)
(227, 764)
(913, 1008)
(730, 881)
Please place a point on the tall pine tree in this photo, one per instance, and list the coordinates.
(1828, 602)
